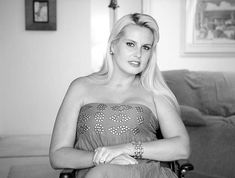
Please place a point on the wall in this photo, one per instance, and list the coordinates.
(36, 67)
(169, 18)
(101, 25)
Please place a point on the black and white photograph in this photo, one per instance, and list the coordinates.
(215, 21)
(117, 89)
(209, 26)
(40, 11)
(40, 15)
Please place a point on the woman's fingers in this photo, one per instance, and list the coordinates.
(129, 159)
(100, 156)
(110, 157)
(119, 162)
(106, 154)
(124, 160)
(95, 156)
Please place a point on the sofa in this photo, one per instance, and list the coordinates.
(207, 102)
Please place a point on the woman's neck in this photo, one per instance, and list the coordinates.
(123, 82)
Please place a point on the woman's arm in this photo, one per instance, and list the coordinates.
(62, 154)
(175, 144)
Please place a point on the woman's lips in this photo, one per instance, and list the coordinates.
(134, 63)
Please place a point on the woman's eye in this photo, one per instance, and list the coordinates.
(130, 44)
(146, 48)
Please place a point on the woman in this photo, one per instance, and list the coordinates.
(107, 123)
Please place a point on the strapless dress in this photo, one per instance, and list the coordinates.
(107, 124)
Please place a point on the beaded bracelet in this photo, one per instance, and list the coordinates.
(139, 150)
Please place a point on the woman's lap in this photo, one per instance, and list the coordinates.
(109, 171)
(146, 170)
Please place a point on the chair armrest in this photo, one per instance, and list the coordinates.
(183, 167)
(67, 173)
(186, 167)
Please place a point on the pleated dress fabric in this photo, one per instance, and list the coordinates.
(107, 124)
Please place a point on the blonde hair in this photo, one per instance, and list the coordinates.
(151, 77)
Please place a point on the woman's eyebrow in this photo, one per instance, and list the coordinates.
(127, 39)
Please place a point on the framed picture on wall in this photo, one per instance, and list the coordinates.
(40, 14)
(209, 27)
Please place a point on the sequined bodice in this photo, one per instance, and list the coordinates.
(109, 124)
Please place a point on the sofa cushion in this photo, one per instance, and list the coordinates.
(210, 92)
(176, 80)
(215, 91)
(213, 146)
(192, 117)
(196, 174)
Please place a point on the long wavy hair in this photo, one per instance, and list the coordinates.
(151, 77)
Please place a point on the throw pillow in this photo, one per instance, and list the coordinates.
(215, 91)
(192, 116)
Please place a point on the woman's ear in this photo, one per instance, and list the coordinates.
(112, 48)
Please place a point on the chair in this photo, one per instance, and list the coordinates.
(180, 167)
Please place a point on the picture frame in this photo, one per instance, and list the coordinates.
(40, 14)
(208, 27)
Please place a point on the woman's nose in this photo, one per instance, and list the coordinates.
(138, 52)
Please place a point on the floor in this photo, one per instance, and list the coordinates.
(7, 163)
(19, 150)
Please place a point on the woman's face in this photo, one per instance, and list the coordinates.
(133, 49)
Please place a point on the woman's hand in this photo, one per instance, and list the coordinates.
(106, 154)
(123, 159)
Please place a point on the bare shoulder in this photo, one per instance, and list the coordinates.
(84, 82)
(80, 82)
(79, 86)
(160, 100)
(164, 103)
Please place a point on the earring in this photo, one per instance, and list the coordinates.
(111, 52)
